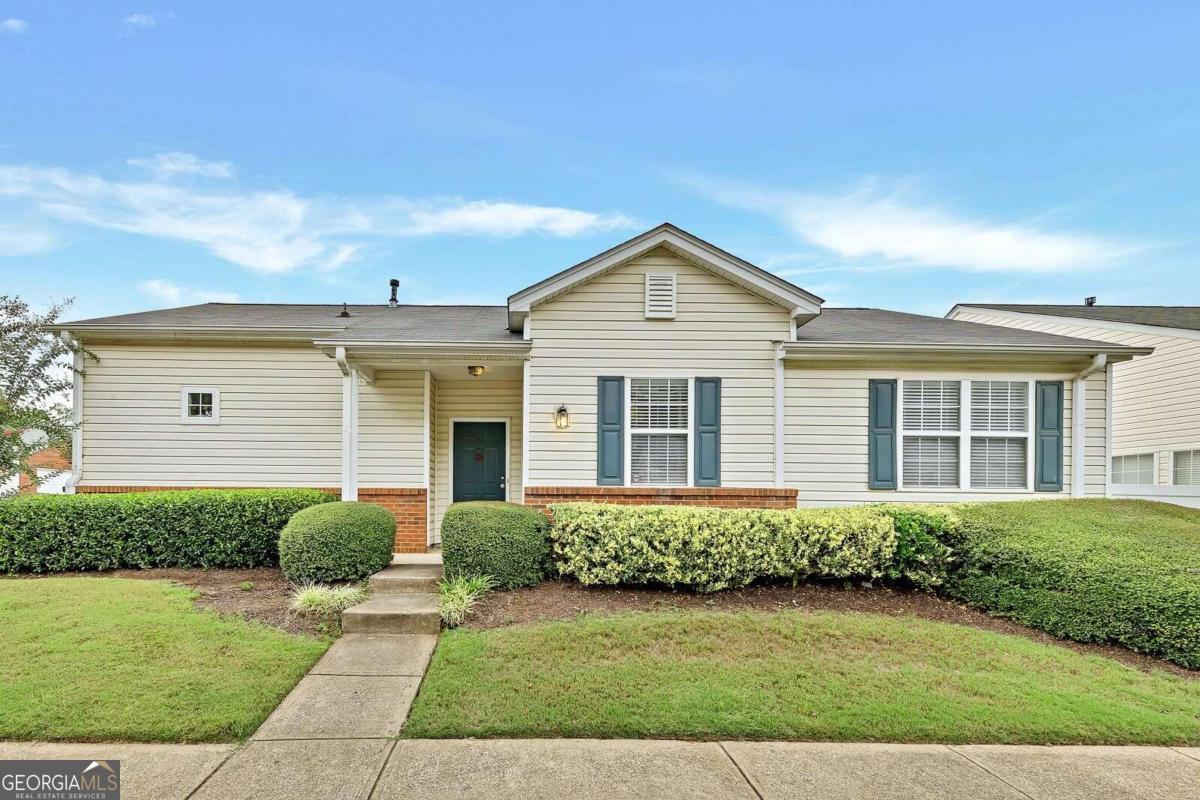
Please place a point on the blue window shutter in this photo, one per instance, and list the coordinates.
(708, 432)
(1048, 444)
(610, 431)
(881, 434)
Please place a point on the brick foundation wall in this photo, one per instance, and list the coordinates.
(718, 496)
(407, 506)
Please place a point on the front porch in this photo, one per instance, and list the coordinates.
(424, 427)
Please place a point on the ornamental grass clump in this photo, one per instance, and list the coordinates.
(709, 549)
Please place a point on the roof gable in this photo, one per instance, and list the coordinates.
(681, 243)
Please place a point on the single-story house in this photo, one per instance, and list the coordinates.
(663, 370)
(1155, 400)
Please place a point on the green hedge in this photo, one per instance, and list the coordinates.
(194, 528)
(1126, 572)
(337, 542)
(709, 548)
(509, 542)
(928, 540)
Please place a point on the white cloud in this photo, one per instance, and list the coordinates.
(14, 26)
(173, 294)
(511, 219)
(140, 21)
(870, 224)
(274, 231)
(165, 165)
(25, 241)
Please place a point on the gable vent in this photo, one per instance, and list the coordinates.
(660, 295)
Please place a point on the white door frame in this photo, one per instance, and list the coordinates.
(507, 453)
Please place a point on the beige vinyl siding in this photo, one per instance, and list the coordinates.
(599, 328)
(280, 417)
(475, 398)
(825, 436)
(391, 442)
(1154, 397)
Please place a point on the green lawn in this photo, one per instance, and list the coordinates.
(110, 659)
(790, 675)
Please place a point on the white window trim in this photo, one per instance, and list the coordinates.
(1153, 454)
(691, 379)
(965, 433)
(674, 295)
(215, 419)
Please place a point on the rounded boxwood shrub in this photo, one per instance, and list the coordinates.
(337, 542)
(511, 543)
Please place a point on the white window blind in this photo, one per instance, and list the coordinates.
(660, 295)
(658, 431)
(931, 405)
(929, 408)
(1187, 468)
(998, 463)
(930, 461)
(1136, 468)
(999, 407)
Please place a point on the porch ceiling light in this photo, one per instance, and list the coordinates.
(562, 418)
(475, 370)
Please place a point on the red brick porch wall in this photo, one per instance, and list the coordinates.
(407, 506)
(718, 496)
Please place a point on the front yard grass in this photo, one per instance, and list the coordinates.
(110, 659)
(826, 676)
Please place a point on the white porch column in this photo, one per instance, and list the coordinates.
(779, 411)
(350, 435)
(427, 456)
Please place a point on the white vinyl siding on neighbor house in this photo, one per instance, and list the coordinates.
(825, 432)
(600, 328)
(486, 398)
(280, 416)
(1154, 397)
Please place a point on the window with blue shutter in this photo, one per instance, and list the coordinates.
(881, 434)
(610, 431)
(1048, 459)
(708, 432)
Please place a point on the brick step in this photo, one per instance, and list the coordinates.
(406, 579)
(394, 613)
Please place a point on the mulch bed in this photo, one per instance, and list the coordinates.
(553, 600)
(267, 601)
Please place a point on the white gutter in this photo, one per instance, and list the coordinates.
(349, 426)
(76, 414)
(1079, 421)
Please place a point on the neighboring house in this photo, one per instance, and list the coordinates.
(52, 469)
(1155, 400)
(663, 370)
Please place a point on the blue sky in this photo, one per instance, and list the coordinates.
(876, 154)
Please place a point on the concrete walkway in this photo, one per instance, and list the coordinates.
(358, 769)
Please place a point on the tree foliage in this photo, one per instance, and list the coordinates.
(36, 372)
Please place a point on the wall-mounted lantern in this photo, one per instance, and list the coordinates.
(562, 418)
(475, 370)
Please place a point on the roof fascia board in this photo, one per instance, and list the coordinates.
(1133, 327)
(1115, 352)
(770, 287)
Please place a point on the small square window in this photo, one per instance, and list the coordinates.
(200, 404)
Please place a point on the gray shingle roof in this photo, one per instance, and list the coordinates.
(877, 326)
(405, 323)
(1185, 317)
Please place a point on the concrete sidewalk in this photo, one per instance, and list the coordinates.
(357, 769)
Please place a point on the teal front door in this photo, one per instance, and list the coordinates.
(479, 461)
